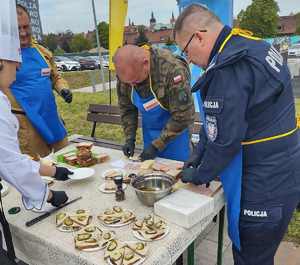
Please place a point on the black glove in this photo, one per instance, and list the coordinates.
(62, 173)
(66, 95)
(149, 153)
(58, 198)
(128, 147)
(193, 161)
(190, 175)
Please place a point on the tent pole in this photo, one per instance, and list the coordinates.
(109, 78)
(99, 45)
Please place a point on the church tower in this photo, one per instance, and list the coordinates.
(152, 21)
(172, 20)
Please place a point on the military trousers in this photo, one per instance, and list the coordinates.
(262, 227)
(32, 143)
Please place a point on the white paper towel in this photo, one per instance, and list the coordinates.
(184, 208)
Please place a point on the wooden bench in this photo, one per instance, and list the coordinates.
(110, 114)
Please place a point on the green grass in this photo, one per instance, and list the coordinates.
(293, 233)
(81, 79)
(74, 115)
(297, 101)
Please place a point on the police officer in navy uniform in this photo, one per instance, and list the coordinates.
(250, 137)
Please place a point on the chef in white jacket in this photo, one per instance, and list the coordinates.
(15, 168)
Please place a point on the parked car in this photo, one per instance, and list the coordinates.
(86, 63)
(294, 50)
(66, 64)
(105, 61)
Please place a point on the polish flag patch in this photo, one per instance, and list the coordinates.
(177, 79)
(150, 104)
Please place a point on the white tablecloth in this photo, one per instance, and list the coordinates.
(43, 244)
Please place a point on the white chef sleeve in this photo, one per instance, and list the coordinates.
(15, 168)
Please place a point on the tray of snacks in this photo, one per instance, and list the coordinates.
(82, 156)
(116, 217)
(92, 238)
(150, 228)
(71, 222)
(109, 174)
(125, 253)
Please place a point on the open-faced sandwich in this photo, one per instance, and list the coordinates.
(69, 222)
(125, 253)
(150, 228)
(116, 216)
(92, 238)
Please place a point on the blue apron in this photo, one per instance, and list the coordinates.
(154, 119)
(33, 91)
(231, 178)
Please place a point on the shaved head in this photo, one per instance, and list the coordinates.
(196, 31)
(196, 17)
(132, 64)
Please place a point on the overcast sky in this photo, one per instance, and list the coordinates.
(76, 15)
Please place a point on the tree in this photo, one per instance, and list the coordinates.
(50, 41)
(239, 18)
(59, 51)
(103, 29)
(142, 38)
(64, 40)
(79, 43)
(298, 23)
(261, 17)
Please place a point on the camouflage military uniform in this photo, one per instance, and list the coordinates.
(38, 147)
(171, 86)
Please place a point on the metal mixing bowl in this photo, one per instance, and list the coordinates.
(152, 187)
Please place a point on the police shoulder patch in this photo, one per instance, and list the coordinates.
(211, 127)
(213, 105)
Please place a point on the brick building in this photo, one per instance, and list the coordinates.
(156, 32)
(287, 25)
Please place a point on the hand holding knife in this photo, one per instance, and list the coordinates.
(47, 214)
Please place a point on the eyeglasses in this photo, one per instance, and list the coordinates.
(183, 53)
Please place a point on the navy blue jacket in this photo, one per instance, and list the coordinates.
(247, 95)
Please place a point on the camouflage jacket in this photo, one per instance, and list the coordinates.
(170, 79)
(58, 83)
